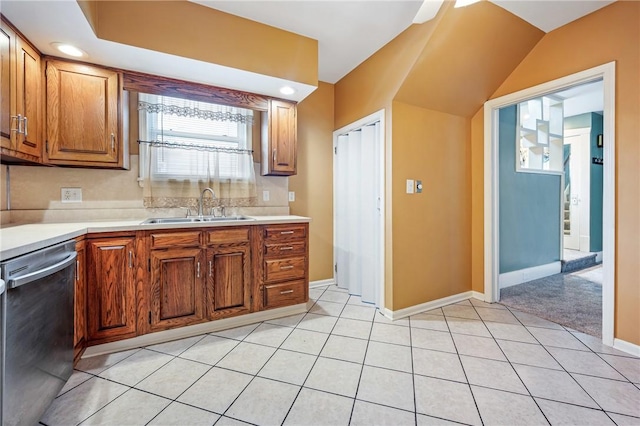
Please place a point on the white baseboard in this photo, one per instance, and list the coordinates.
(322, 283)
(427, 306)
(477, 295)
(193, 330)
(598, 257)
(520, 276)
(627, 347)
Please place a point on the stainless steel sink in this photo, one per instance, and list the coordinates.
(198, 219)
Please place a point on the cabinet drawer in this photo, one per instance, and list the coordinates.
(175, 239)
(286, 249)
(284, 232)
(284, 294)
(284, 269)
(231, 235)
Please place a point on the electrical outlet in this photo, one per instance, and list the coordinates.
(265, 195)
(71, 195)
(292, 196)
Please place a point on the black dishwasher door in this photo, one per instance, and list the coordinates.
(38, 331)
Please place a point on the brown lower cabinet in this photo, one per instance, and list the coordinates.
(177, 289)
(229, 280)
(111, 288)
(138, 283)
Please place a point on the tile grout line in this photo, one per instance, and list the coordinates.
(509, 361)
(463, 369)
(563, 369)
(315, 361)
(366, 349)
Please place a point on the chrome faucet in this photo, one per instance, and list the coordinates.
(201, 206)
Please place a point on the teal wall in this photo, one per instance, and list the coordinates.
(529, 206)
(593, 120)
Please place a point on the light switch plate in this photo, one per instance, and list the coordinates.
(410, 184)
(292, 196)
(265, 195)
(71, 195)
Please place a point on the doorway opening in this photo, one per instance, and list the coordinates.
(495, 246)
(358, 188)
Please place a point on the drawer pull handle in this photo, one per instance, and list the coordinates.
(286, 232)
(286, 292)
(130, 259)
(282, 268)
(286, 248)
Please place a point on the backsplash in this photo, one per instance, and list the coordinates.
(106, 194)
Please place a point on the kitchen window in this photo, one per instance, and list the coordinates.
(187, 145)
(194, 140)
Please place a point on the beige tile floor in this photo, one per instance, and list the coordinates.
(345, 364)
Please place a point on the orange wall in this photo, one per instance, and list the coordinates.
(372, 85)
(431, 230)
(610, 34)
(194, 31)
(313, 184)
(468, 56)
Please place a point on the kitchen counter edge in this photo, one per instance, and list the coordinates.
(17, 240)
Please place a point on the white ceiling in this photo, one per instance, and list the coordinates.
(348, 32)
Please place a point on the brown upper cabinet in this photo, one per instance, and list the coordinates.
(279, 139)
(21, 125)
(84, 116)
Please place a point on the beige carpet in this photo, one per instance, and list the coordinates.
(567, 299)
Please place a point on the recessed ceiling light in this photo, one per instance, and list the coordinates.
(69, 49)
(286, 90)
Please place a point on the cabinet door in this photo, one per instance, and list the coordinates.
(28, 100)
(281, 155)
(7, 86)
(82, 115)
(177, 290)
(80, 299)
(228, 280)
(111, 307)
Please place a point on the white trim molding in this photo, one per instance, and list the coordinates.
(322, 283)
(193, 330)
(520, 276)
(627, 347)
(606, 73)
(427, 306)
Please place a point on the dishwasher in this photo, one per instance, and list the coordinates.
(36, 330)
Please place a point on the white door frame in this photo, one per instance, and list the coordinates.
(370, 119)
(605, 72)
(580, 147)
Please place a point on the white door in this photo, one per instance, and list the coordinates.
(576, 231)
(358, 215)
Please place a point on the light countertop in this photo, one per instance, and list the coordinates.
(16, 240)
